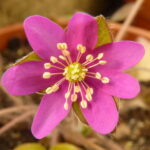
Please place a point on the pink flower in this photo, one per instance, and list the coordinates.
(73, 69)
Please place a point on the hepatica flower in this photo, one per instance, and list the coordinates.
(74, 69)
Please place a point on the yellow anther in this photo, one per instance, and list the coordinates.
(98, 75)
(52, 89)
(66, 52)
(88, 97)
(47, 65)
(53, 59)
(90, 90)
(46, 75)
(59, 46)
(105, 80)
(66, 106)
(100, 55)
(102, 62)
(89, 57)
(49, 90)
(74, 97)
(81, 48)
(83, 103)
(67, 95)
(62, 57)
(62, 46)
(55, 87)
(77, 89)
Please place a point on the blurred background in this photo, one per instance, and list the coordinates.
(127, 20)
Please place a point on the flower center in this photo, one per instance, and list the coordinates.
(75, 72)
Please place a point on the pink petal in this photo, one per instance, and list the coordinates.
(82, 29)
(121, 85)
(43, 35)
(121, 55)
(101, 114)
(50, 113)
(25, 78)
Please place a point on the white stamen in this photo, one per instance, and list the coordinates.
(47, 65)
(62, 57)
(77, 89)
(83, 103)
(49, 90)
(98, 75)
(105, 80)
(62, 46)
(102, 62)
(46, 75)
(66, 52)
(100, 56)
(53, 59)
(52, 89)
(67, 95)
(89, 57)
(91, 90)
(74, 97)
(66, 106)
(88, 97)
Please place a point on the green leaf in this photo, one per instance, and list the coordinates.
(64, 146)
(104, 35)
(86, 130)
(32, 56)
(30, 146)
(78, 112)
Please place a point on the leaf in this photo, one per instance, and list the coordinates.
(117, 101)
(32, 56)
(78, 112)
(30, 146)
(104, 35)
(86, 130)
(64, 146)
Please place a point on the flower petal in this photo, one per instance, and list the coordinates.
(101, 114)
(121, 55)
(82, 29)
(50, 113)
(25, 78)
(121, 85)
(43, 35)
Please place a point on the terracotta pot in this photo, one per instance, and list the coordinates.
(10, 32)
(17, 31)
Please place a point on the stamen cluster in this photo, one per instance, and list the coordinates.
(75, 73)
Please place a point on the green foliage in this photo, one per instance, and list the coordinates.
(32, 56)
(104, 35)
(64, 146)
(30, 146)
(86, 130)
(78, 112)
